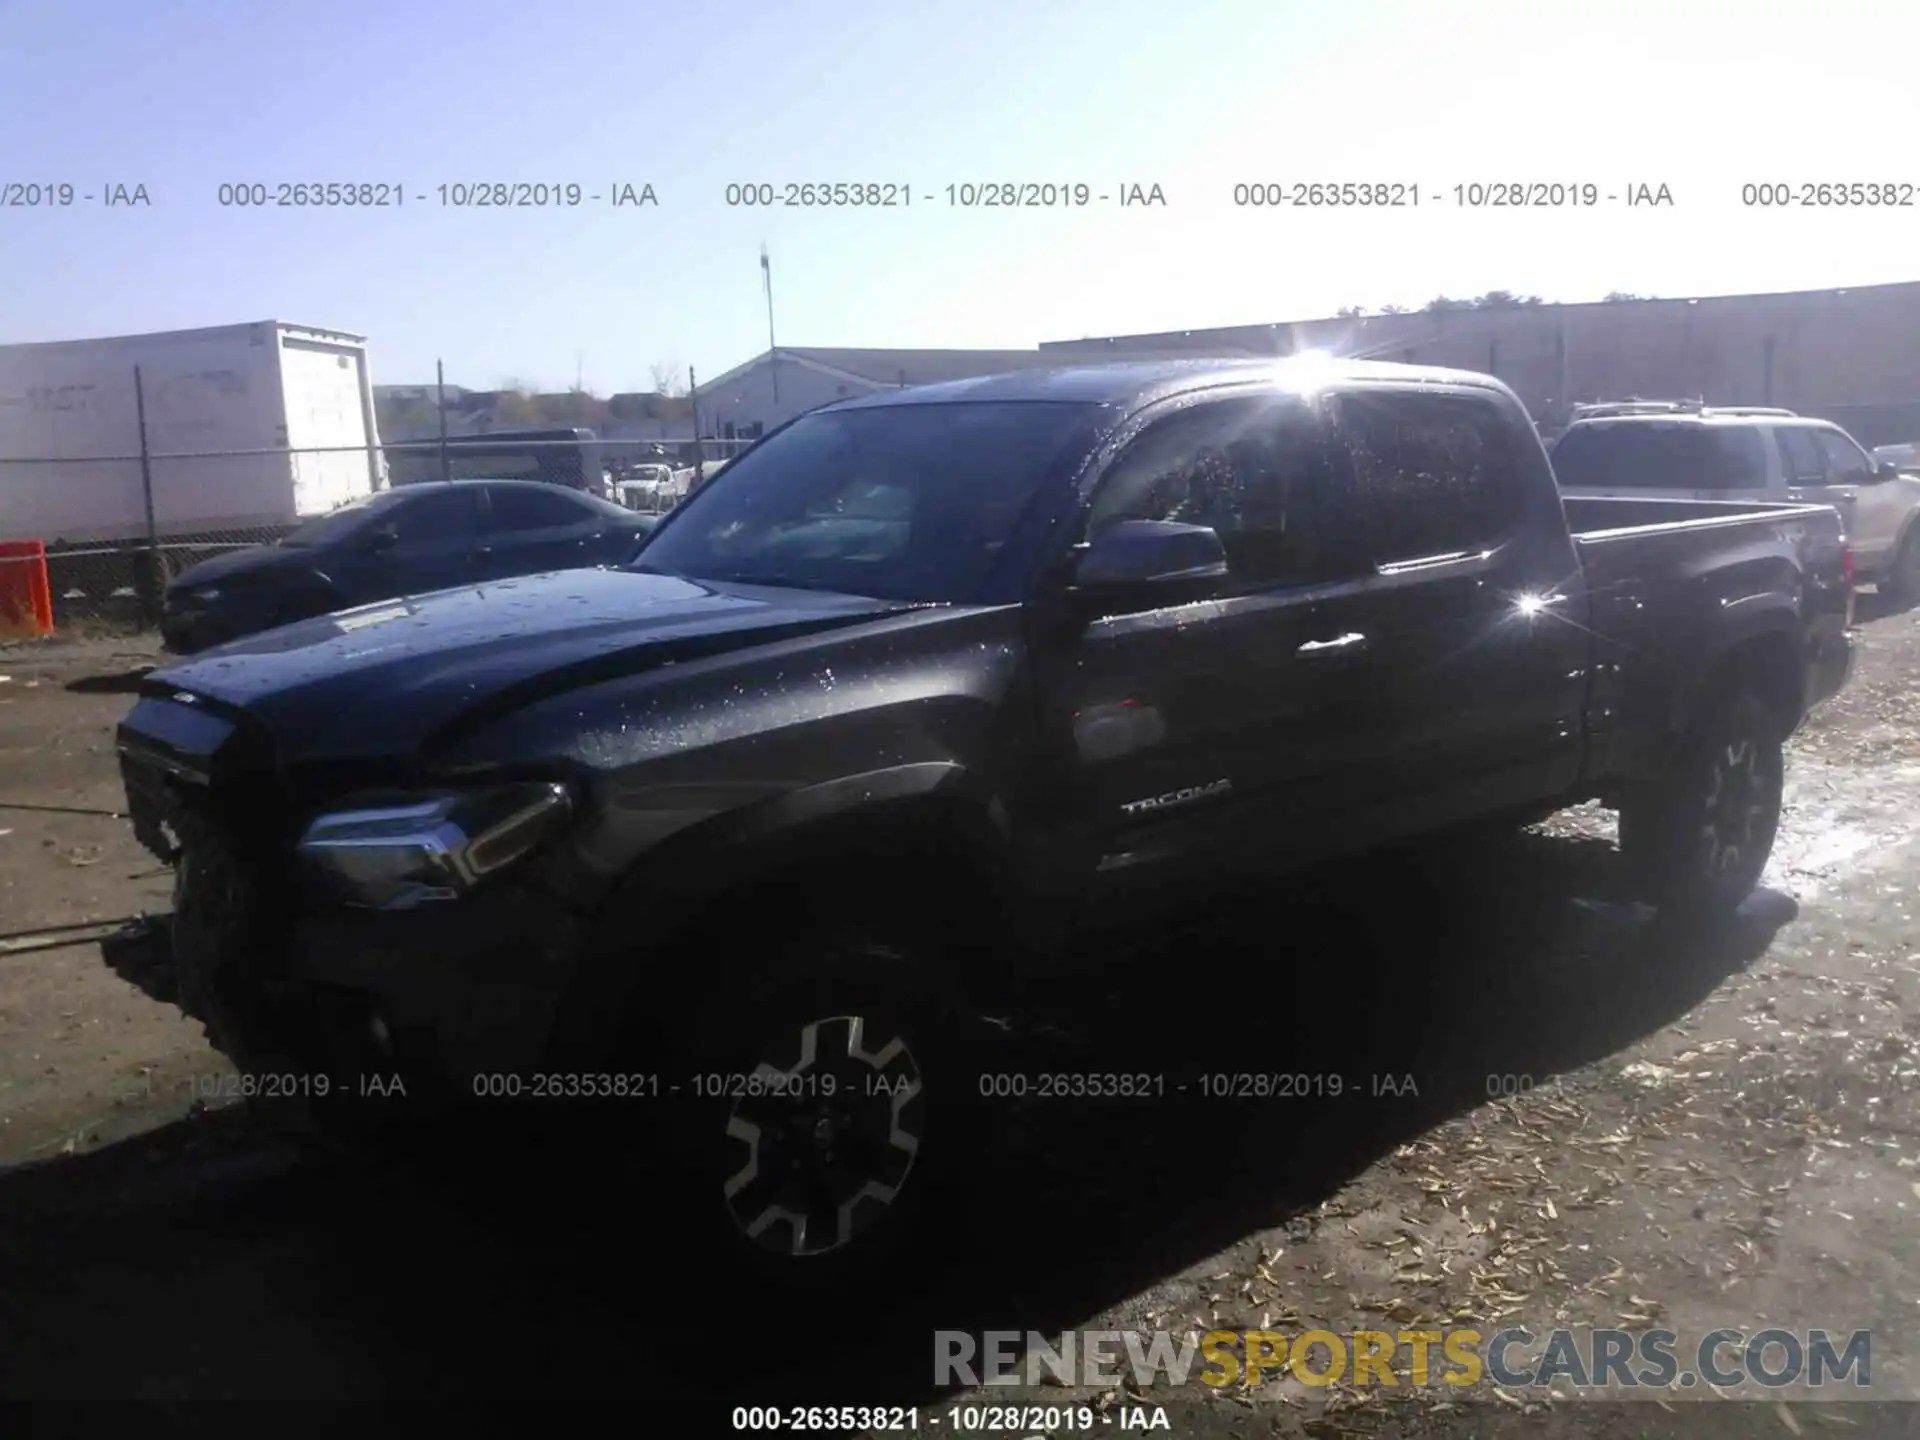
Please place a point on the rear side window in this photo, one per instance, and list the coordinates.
(1739, 459)
(447, 513)
(1634, 455)
(532, 509)
(1436, 473)
(1800, 456)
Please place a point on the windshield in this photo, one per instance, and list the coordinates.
(900, 502)
(325, 529)
(1634, 455)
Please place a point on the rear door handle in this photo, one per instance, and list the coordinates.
(1349, 642)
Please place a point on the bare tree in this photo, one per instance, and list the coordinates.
(668, 378)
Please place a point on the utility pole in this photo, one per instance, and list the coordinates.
(153, 584)
(773, 352)
(440, 404)
(699, 450)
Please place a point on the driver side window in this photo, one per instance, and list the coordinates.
(1847, 463)
(1251, 470)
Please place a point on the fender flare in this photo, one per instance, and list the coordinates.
(932, 813)
(1772, 624)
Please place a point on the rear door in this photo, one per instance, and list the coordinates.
(1472, 609)
(532, 528)
(325, 419)
(1739, 465)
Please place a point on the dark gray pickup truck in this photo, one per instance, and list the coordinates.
(880, 718)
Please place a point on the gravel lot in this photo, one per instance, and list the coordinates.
(1706, 1133)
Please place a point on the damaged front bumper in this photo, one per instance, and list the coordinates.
(455, 986)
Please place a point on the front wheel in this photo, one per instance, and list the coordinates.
(1697, 837)
(818, 1117)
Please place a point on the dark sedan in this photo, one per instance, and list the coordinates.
(429, 536)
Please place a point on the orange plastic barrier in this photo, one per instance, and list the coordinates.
(26, 596)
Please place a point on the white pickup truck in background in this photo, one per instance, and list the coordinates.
(1685, 451)
(1904, 457)
(251, 387)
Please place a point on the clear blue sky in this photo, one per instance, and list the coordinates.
(1194, 96)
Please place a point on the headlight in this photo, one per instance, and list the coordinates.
(393, 856)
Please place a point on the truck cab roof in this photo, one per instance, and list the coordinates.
(1132, 384)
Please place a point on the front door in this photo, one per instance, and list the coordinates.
(1803, 462)
(1873, 511)
(429, 545)
(1189, 731)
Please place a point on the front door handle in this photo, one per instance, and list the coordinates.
(1351, 641)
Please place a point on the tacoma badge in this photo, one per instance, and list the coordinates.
(1178, 797)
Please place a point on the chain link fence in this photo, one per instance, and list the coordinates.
(116, 528)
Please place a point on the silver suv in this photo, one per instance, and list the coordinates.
(1675, 450)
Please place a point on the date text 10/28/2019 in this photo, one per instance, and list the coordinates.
(454, 195)
(217, 1086)
(1020, 1420)
(965, 195)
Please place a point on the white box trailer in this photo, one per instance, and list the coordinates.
(257, 387)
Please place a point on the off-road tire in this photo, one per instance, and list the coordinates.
(1696, 838)
(909, 1045)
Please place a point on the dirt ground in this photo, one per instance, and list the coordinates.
(1717, 1131)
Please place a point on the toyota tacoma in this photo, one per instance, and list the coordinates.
(879, 721)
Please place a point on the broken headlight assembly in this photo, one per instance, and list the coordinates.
(393, 854)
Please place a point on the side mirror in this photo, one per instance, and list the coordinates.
(1150, 552)
(1884, 470)
(383, 540)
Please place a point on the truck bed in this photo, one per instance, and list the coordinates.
(1616, 517)
(1664, 576)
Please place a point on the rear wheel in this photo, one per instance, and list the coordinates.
(1697, 838)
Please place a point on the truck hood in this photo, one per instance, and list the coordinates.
(381, 681)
